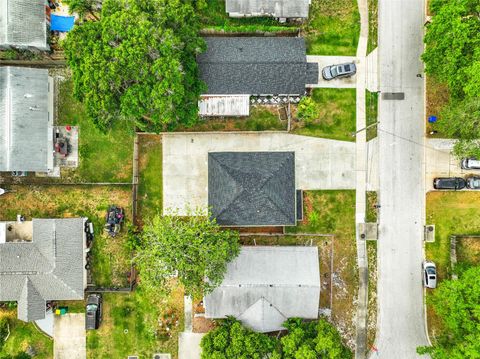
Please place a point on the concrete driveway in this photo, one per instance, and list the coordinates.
(319, 163)
(322, 61)
(69, 336)
(189, 345)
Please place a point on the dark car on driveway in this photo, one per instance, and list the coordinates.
(338, 71)
(93, 312)
(449, 183)
(473, 182)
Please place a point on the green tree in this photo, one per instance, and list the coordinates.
(312, 340)
(82, 7)
(452, 44)
(138, 61)
(457, 303)
(231, 340)
(307, 110)
(3, 331)
(193, 248)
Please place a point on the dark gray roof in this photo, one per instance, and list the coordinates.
(255, 66)
(264, 286)
(275, 8)
(252, 188)
(25, 122)
(50, 267)
(23, 23)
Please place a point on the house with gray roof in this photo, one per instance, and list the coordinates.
(235, 68)
(23, 24)
(26, 120)
(264, 286)
(42, 260)
(248, 189)
(283, 9)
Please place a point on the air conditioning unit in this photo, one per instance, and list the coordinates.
(162, 356)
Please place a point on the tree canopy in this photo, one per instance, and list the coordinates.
(138, 61)
(192, 248)
(457, 303)
(231, 340)
(304, 340)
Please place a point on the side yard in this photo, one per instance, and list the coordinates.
(333, 212)
(453, 213)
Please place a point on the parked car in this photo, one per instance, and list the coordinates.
(429, 274)
(449, 183)
(470, 164)
(473, 182)
(338, 71)
(93, 312)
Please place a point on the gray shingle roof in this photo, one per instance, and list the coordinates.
(48, 268)
(23, 24)
(264, 286)
(255, 66)
(252, 188)
(25, 122)
(275, 8)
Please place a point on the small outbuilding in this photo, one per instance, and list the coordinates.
(252, 189)
(283, 9)
(23, 24)
(264, 286)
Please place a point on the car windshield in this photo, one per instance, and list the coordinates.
(91, 307)
(333, 70)
(476, 183)
(347, 68)
(430, 270)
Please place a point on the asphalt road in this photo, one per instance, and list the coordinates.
(401, 326)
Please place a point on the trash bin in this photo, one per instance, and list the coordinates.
(61, 310)
(432, 119)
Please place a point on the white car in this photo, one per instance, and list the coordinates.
(429, 274)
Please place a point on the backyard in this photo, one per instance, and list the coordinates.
(333, 212)
(333, 28)
(335, 115)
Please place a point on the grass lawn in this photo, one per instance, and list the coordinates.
(468, 251)
(372, 25)
(336, 115)
(333, 28)
(110, 255)
(437, 96)
(136, 324)
(372, 212)
(262, 118)
(150, 183)
(333, 212)
(372, 292)
(371, 112)
(104, 157)
(23, 335)
(215, 17)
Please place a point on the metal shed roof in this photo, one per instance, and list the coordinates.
(228, 105)
(275, 8)
(256, 66)
(264, 286)
(23, 23)
(25, 122)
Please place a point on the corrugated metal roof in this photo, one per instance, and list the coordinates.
(252, 188)
(57, 272)
(254, 66)
(25, 122)
(275, 8)
(229, 105)
(265, 285)
(23, 23)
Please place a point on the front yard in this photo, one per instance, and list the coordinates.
(335, 115)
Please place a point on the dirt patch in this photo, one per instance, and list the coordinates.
(468, 250)
(203, 325)
(437, 97)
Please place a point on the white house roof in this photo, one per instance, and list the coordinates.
(25, 122)
(264, 286)
(23, 23)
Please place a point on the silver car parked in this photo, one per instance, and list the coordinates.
(429, 274)
(338, 71)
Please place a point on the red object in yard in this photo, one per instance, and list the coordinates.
(68, 128)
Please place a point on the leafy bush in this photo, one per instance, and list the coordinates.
(307, 110)
(3, 331)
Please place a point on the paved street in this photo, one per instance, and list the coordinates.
(401, 326)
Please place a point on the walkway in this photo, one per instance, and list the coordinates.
(401, 324)
(361, 183)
